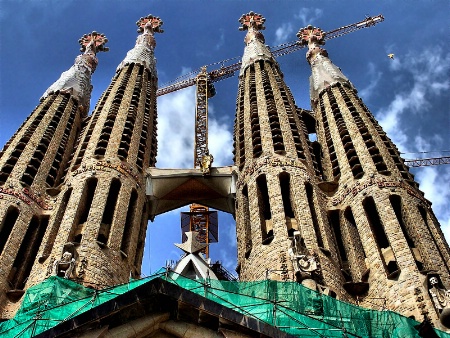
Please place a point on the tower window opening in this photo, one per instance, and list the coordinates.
(334, 219)
(56, 223)
(140, 245)
(381, 239)
(265, 213)
(108, 212)
(247, 226)
(396, 203)
(285, 185)
(83, 209)
(348, 214)
(126, 238)
(312, 209)
(8, 223)
(27, 252)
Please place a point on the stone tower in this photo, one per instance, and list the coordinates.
(32, 166)
(391, 247)
(97, 231)
(282, 226)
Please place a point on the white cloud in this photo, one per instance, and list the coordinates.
(423, 77)
(287, 31)
(308, 15)
(221, 41)
(429, 73)
(434, 183)
(374, 75)
(176, 115)
(284, 33)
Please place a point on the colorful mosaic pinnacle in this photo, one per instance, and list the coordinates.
(254, 20)
(311, 34)
(96, 40)
(150, 22)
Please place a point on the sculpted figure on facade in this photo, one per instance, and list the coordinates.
(305, 264)
(440, 296)
(64, 265)
(207, 160)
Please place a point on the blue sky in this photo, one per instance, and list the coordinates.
(409, 95)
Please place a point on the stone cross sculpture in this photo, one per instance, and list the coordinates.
(64, 265)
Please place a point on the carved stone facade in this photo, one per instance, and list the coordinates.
(345, 210)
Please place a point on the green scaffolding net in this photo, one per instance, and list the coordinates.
(289, 306)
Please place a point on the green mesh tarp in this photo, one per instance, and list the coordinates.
(287, 305)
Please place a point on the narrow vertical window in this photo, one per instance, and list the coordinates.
(264, 210)
(83, 209)
(285, 185)
(247, 226)
(312, 209)
(8, 223)
(108, 212)
(56, 223)
(27, 252)
(334, 219)
(127, 231)
(381, 239)
(396, 203)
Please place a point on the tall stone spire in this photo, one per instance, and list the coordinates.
(389, 239)
(142, 53)
(324, 72)
(254, 40)
(100, 218)
(282, 229)
(32, 165)
(77, 80)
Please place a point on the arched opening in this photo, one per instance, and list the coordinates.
(108, 212)
(131, 214)
(396, 203)
(384, 248)
(312, 209)
(7, 225)
(264, 210)
(291, 221)
(84, 206)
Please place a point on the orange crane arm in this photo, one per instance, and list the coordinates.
(228, 71)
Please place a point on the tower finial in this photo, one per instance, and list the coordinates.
(150, 23)
(252, 20)
(310, 34)
(254, 40)
(93, 43)
(142, 53)
(253, 23)
(313, 37)
(77, 80)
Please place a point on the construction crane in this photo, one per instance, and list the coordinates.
(228, 71)
(200, 219)
(425, 162)
(205, 89)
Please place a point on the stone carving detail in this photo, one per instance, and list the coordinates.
(142, 53)
(50, 267)
(207, 160)
(306, 264)
(64, 265)
(82, 269)
(440, 296)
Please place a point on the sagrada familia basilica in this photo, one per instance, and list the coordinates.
(339, 219)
